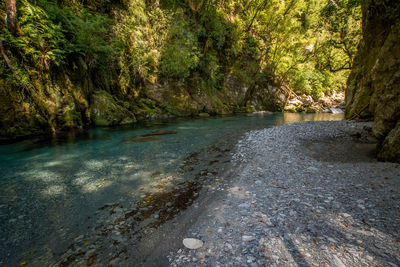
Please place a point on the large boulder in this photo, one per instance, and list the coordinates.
(106, 111)
(390, 148)
(374, 84)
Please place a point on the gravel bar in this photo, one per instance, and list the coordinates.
(302, 194)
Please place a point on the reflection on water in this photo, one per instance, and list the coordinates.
(296, 117)
(49, 188)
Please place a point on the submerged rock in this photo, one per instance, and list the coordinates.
(160, 132)
(148, 137)
(136, 139)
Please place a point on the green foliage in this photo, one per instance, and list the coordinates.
(41, 42)
(211, 68)
(339, 45)
(302, 43)
(391, 8)
(311, 82)
(147, 41)
(219, 41)
(49, 34)
(142, 31)
(91, 39)
(213, 27)
(180, 54)
(125, 46)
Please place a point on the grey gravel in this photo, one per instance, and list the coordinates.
(303, 194)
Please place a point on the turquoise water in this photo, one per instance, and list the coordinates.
(50, 189)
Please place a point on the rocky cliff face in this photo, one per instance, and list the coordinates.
(374, 84)
(66, 101)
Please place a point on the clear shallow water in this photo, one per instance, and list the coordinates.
(50, 189)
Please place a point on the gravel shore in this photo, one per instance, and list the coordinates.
(303, 194)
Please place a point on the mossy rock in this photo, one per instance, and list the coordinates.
(389, 150)
(69, 118)
(204, 115)
(19, 118)
(147, 109)
(106, 111)
(311, 110)
(290, 108)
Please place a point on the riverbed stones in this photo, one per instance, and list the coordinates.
(287, 206)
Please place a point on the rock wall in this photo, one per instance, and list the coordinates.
(72, 100)
(374, 84)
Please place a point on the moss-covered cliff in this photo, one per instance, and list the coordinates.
(374, 84)
(76, 63)
(71, 63)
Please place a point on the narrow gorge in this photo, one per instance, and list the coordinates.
(200, 133)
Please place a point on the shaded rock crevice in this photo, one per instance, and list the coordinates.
(373, 90)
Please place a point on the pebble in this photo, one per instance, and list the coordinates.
(244, 206)
(80, 237)
(312, 169)
(192, 243)
(250, 259)
(338, 262)
(247, 238)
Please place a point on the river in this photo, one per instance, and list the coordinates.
(51, 189)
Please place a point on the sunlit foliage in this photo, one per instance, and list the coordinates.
(305, 45)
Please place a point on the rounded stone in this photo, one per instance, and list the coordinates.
(192, 243)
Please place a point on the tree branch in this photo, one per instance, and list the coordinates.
(5, 57)
(340, 68)
(261, 7)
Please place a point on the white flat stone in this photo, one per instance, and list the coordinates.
(248, 238)
(337, 261)
(192, 243)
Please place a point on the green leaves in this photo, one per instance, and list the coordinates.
(180, 54)
(41, 42)
(50, 33)
(258, 40)
(91, 38)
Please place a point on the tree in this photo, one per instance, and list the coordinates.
(11, 19)
(341, 19)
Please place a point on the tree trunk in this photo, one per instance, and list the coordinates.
(11, 18)
(3, 54)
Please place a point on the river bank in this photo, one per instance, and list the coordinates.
(137, 201)
(307, 194)
(65, 197)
